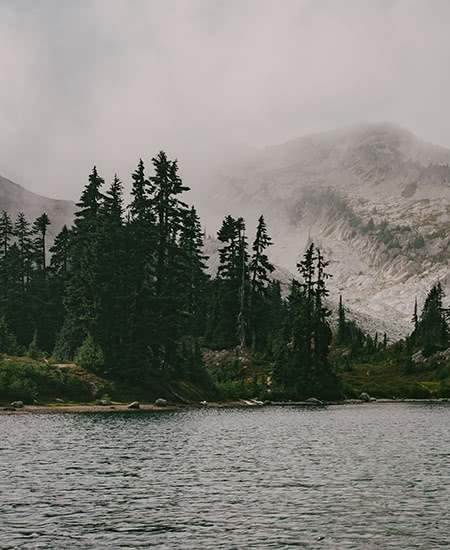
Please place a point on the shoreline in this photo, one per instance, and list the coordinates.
(58, 408)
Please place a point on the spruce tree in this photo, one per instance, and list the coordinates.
(82, 289)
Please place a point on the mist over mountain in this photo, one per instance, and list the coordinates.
(15, 198)
(374, 198)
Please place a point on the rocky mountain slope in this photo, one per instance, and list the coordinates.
(375, 198)
(14, 199)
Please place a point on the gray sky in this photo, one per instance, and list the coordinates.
(108, 81)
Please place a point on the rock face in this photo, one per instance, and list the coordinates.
(374, 198)
(161, 402)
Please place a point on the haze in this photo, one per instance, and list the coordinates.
(109, 81)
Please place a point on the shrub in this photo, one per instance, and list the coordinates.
(33, 350)
(90, 355)
(26, 380)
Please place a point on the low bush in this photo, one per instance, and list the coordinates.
(28, 381)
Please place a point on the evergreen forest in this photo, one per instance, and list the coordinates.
(125, 293)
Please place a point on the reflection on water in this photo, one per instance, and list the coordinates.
(363, 477)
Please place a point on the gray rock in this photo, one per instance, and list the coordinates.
(372, 399)
(58, 400)
(204, 403)
(161, 402)
(17, 404)
(134, 405)
(364, 397)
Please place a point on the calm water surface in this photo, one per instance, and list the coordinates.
(363, 477)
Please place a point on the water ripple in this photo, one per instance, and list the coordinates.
(353, 477)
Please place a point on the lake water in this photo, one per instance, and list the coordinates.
(365, 477)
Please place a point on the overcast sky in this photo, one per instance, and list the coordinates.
(109, 81)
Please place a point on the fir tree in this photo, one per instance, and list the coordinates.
(259, 271)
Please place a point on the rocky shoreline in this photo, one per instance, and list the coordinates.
(123, 407)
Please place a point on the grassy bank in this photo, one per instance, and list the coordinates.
(390, 378)
(231, 375)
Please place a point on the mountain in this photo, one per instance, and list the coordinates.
(14, 199)
(374, 198)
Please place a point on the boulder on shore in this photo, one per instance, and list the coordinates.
(134, 405)
(364, 397)
(161, 402)
(17, 404)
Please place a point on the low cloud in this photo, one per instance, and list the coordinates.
(109, 81)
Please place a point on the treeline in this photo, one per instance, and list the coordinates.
(123, 285)
(125, 292)
(425, 348)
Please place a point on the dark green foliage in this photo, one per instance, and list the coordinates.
(125, 293)
(302, 368)
(259, 300)
(8, 342)
(90, 356)
(228, 315)
(431, 332)
(29, 381)
(418, 242)
(33, 350)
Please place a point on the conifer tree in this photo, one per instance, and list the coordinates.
(305, 368)
(140, 245)
(22, 233)
(195, 277)
(259, 271)
(39, 229)
(229, 312)
(6, 232)
(82, 289)
(169, 211)
(432, 330)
